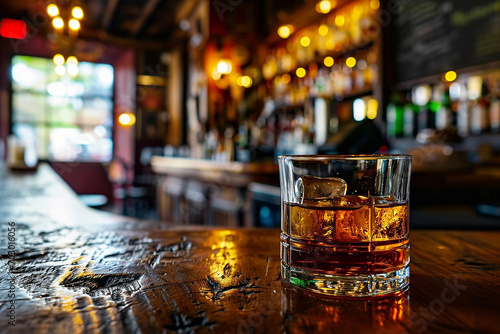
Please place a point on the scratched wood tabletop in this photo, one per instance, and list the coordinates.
(76, 270)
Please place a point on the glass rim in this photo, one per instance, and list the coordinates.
(344, 157)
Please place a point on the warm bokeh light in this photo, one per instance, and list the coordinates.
(277, 80)
(350, 62)
(374, 4)
(73, 70)
(74, 24)
(450, 76)
(323, 30)
(328, 61)
(77, 12)
(301, 72)
(52, 10)
(57, 22)
(339, 20)
(126, 119)
(286, 78)
(305, 41)
(72, 61)
(371, 109)
(285, 31)
(224, 66)
(60, 70)
(58, 59)
(216, 74)
(324, 6)
(244, 81)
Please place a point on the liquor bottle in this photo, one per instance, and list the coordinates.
(444, 113)
(495, 110)
(480, 121)
(411, 119)
(395, 117)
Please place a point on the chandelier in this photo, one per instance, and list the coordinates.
(66, 19)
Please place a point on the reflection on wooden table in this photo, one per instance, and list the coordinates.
(75, 270)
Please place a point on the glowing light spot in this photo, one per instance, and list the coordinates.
(350, 62)
(358, 110)
(58, 23)
(286, 78)
(60, 70)
(450, 76)
(58, 59)
(73, 70)
(77, 12)
(324, 6)
(371, 109)
(72, 61)
(323, 30)
(305, 41)
(285, 31)
(300, 72)
(216, 74)
(74, 24)
(339, 20)
(126, 119)
(52, 10)
(374, 4)
(328, 61)
(244, 81)
(224, 66)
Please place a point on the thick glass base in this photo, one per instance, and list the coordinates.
(377, 285)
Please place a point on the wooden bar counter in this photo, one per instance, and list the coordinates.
(71, 269)
(208, 192)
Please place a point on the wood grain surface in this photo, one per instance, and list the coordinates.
(75, 270)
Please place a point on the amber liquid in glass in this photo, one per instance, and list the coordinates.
(350, 235)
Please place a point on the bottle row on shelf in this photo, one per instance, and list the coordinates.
(466, 106)
(346, 29)
(340, 77)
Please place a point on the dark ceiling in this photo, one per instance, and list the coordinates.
(135, 21)
(143, 22)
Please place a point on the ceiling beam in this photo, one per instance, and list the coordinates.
(109, 13)
(145, 15)
(104, 37)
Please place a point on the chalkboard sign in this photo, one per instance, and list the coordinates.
(432, 37)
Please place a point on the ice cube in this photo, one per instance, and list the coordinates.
(319, 188)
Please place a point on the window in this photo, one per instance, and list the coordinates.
(68, 118)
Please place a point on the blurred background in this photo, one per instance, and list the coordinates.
(177, 110)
